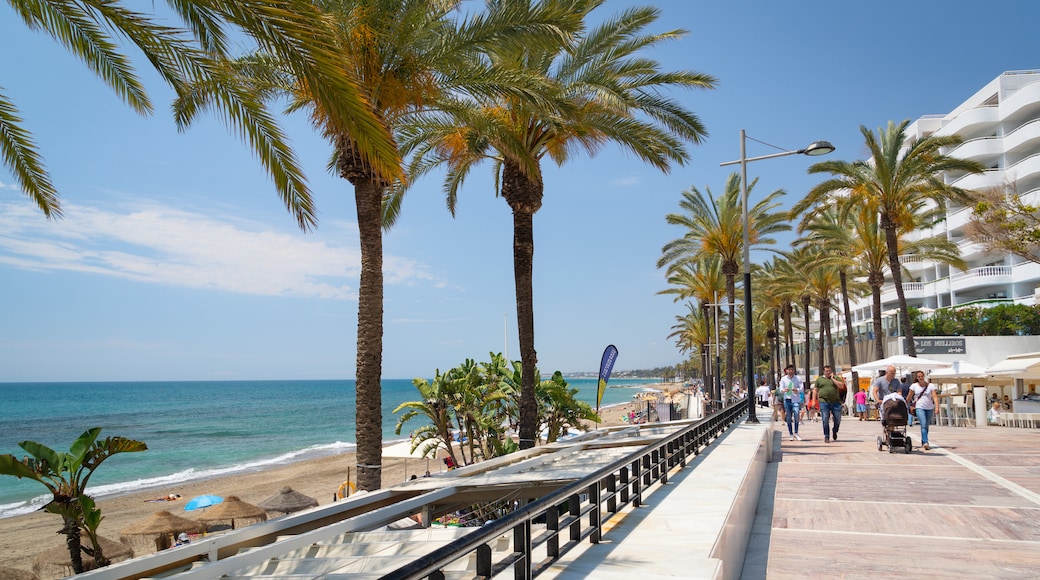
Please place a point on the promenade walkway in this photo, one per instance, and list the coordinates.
(967, 508)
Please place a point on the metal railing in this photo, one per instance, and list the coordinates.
(574, 512)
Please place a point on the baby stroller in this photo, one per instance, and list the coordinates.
(894, 416)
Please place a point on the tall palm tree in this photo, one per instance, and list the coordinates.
(714, 226)
(830, 231)
(404, 56)
(291, 29)
(700, 277)
(600, 92)
(900, 179)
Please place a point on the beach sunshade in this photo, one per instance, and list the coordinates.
(161, 522)
(8, 573)
(287, 501)
(202, 501)
(902, 362)
(56, 563)
(155, 532)
(232, 509)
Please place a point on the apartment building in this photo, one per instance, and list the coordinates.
(1000, 125)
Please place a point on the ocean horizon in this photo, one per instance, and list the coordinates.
(202, 429)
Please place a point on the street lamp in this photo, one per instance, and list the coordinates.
(814, 149)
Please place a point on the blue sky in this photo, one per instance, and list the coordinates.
(176, 261)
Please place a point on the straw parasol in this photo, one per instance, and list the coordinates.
(8, 573)
(156, 531)
(56, 563)
(232, 509)
(287, 501)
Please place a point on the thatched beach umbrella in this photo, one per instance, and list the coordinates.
(56, 563)
(232, 509)
(8, 573)
(287, 501)
(154, 532)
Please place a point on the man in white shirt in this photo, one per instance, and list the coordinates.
(762, 392)
(791, 388)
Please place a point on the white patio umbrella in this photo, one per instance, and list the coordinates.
(902, 362)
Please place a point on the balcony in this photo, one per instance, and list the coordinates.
(1023, 139)
(988, 178)
(985, 150)
(979, 277)
(972, 123)
(1025, 170)
(1025, 103)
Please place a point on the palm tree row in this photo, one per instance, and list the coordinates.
(481, 404)
(854, 227)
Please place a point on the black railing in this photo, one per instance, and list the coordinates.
(574, 512)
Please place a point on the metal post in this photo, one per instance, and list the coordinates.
(749, 343)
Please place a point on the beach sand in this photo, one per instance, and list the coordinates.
(23, 537)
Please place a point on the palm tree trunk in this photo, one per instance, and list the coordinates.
(524, 196)
(808, 336)
(879, 344)
(72, 540)
(369, 420)
(849, 337)
(825, 313)
(891, 240)
(788, 335)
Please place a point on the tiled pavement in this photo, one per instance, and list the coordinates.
(967, 508)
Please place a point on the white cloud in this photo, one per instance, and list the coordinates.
(626, 181)
(159, 244)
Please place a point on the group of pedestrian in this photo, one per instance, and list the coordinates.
(827, 394)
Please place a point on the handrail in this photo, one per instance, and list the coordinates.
(615, 485)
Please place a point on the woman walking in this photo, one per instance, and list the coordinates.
(924, 400)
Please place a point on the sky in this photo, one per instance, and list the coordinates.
(176, 260)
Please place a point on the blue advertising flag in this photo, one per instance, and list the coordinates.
(606, 364)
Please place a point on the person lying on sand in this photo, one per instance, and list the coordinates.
(168, 497)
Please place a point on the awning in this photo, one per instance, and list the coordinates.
(1021, 366)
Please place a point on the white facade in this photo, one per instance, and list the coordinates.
(1000, 125)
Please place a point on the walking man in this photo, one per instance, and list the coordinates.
(884, 385)
(827, 390)
(791, 387)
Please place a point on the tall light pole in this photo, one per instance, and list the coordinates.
(814, 149)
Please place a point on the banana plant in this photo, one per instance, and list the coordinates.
(65, 475)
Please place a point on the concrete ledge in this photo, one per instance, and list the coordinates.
(696, 526)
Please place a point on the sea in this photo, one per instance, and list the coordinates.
(203, 429)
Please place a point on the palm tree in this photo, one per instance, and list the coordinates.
(901, 178)
(598, 90)
(291, 29)
(700, 277)
(714, 226)
(833, 234)
(65, 475)
(403, 55)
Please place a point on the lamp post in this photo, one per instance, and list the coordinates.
(814, 149)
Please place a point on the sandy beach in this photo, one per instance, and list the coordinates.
(23, 537)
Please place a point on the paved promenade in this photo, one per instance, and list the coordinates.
(967, 508)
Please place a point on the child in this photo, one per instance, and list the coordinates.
(861, 405)
(994, 413)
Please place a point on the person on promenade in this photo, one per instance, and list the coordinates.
(923, 400)
(861, 404)
(777, 399)
(826, 392)
(762, 393)
(994, 413)
(793, 391)
(884, 385)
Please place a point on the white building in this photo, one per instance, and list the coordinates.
(1000, 125)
